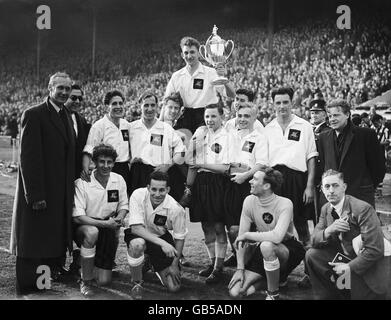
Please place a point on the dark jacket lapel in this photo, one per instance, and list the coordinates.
(55, 118)
(348, 141)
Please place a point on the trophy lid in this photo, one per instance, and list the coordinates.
(215, 37)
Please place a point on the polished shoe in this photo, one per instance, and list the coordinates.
(58, 274)
(186, 198)
(86, 288)
(215, 277)
(137, 291)
(231, 261)
(283, 283)
(206, 272)
(184, 262)
(304, 282)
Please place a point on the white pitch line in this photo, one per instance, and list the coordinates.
(117, 292)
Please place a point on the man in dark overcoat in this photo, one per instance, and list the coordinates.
(352, 150)
(41, 221)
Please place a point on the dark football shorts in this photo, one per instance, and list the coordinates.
(106, 246)
(157, 257)
(255, 260)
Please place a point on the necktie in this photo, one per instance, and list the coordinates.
(64, 119)
(334, 214)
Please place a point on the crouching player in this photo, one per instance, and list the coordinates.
(272, 250)
(98, 213)
(153, 212)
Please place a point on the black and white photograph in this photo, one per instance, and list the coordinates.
(178, 152)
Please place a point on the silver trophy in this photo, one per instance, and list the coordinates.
(215, 49)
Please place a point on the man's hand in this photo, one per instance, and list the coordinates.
(162, 167)
(169, 250)
(240, 240)
(340, 268)
(112, 224)
(221, 69)
(85, 175)
(39, 205)
(337, 226)
(308, 195)
(237, 277)
(175, 273)
(239, 177)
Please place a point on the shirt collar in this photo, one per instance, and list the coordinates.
(96, 183)
(319, 125)
(338, 207)
(163, 205)
(200, 69)
(295, 120)
(55, 106)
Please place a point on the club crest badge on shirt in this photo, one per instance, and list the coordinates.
(198, 84)
(216, 148)
(294, 134)
(112, 196)
(267, 217)
(248, 146)
(156, 139)
(160, 220)
(125, 134)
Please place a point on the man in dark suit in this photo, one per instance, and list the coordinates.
(349, 227)
(80, 125)
(41, 221)
(352, 150)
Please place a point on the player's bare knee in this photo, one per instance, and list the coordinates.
(90, 236)
(136, 247)
(233, 232)
(267, 249)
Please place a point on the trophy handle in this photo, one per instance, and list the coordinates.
(232, 49)
(205, 56)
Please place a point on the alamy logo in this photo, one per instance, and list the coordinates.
(344, 20)
(44, 280)
(44, 21)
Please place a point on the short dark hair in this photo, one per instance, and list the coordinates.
(364, 115)
(111, 94)
(281, 91)
(217, 106)
(332, 172)
(339, 103)
(274, 177)
(159, 176)
(356, 119)
(148, 94)
(104, 150)
(75, 86)
(176, 97)
(189, 41)
(376, 118)
(249, 93)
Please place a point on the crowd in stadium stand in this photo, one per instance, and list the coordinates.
(310, 57)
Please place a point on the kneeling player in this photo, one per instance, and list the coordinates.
(272, 250)
(100, 207)
(153, 212)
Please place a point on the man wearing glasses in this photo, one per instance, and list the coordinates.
(80, 125)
